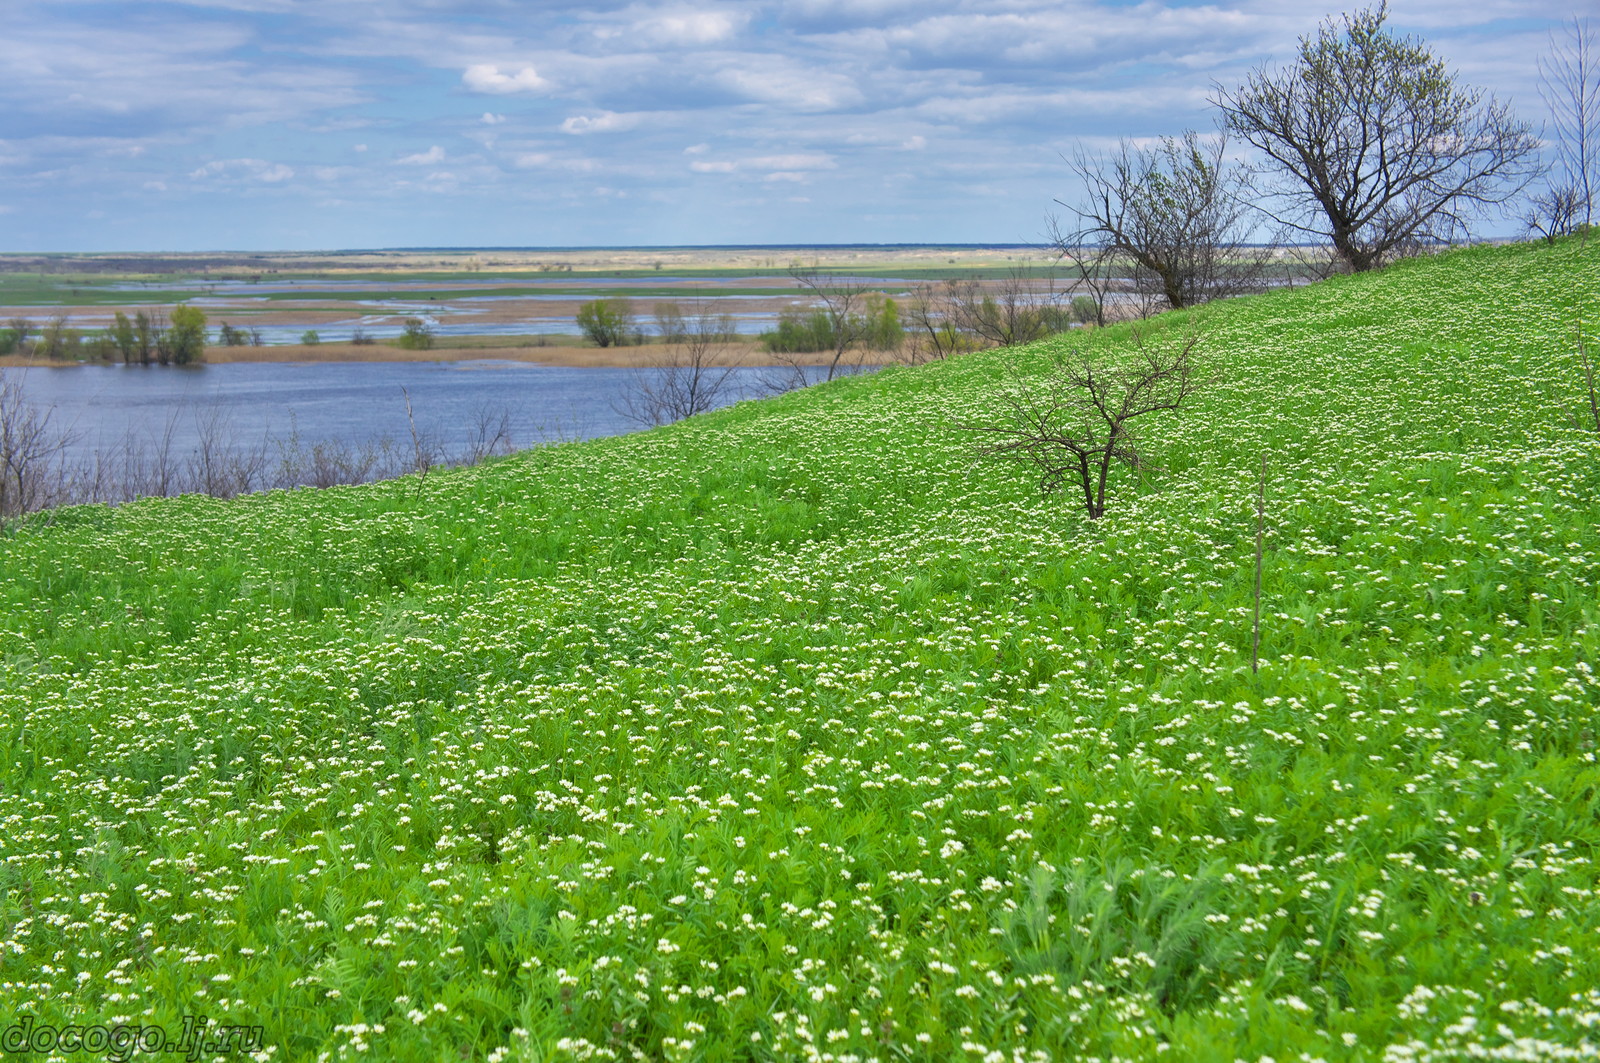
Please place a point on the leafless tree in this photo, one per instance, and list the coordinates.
(220, 466)
(1077, 422)
(1014, 311)
(1098, 266)
(488, 434)
(843, 300)
(30, 451)
(960, 315)
(932, 333)
(1371, 143)
(1179, 214)
(693, 376)
(1569, 82)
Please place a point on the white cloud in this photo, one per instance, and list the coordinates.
(486, 77)
(792, 167)
(790, 86)
(916, 143)
(691, 27)
(604, 122)
(433, 155)
(244, 170)
(490, 118)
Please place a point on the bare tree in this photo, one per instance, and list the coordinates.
(1076, 423)
(488, 434)
(932, 333)
(219, 466)
(694, 375)
(1097, 264)
(843, 301)
(1569, 83)
(30, 451)
(1010, 313)
(960, 315)
(1372, 144)
(1178, 214)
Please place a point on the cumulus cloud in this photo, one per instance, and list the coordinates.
(604, 122)
(430, 157)
(486, 77)
(691, 27)
(766, 95)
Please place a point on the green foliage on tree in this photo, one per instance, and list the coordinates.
(134, 338)
(418, 335)
(184, 341)
(802, 331)
(884, 331)
(310, 338)
(607, 322)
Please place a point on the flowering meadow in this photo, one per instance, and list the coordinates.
(798, 731)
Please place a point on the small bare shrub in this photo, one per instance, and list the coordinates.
(1078, 422)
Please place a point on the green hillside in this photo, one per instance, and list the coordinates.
(795, 731)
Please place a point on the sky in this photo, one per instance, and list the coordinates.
(193, 125)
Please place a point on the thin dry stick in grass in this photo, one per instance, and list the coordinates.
(422, 459)
(1261, 517)
(1588, 372)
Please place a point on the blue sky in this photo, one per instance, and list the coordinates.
(316, 124)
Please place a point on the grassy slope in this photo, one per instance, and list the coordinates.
(791, 729)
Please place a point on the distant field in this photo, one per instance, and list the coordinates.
(796, 730)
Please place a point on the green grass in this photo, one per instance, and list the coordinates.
(792, 730)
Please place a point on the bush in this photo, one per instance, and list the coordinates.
(418, 335)
(807, 331)
(310, 338)
(608, 322)
(184, 341)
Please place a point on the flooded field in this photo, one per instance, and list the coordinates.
(277, 299)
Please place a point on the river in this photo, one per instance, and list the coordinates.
(109, 408)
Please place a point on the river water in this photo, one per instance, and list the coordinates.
(105, 408)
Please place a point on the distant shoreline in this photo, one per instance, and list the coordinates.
(632, 357)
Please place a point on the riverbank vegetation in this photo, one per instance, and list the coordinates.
(794, 729)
